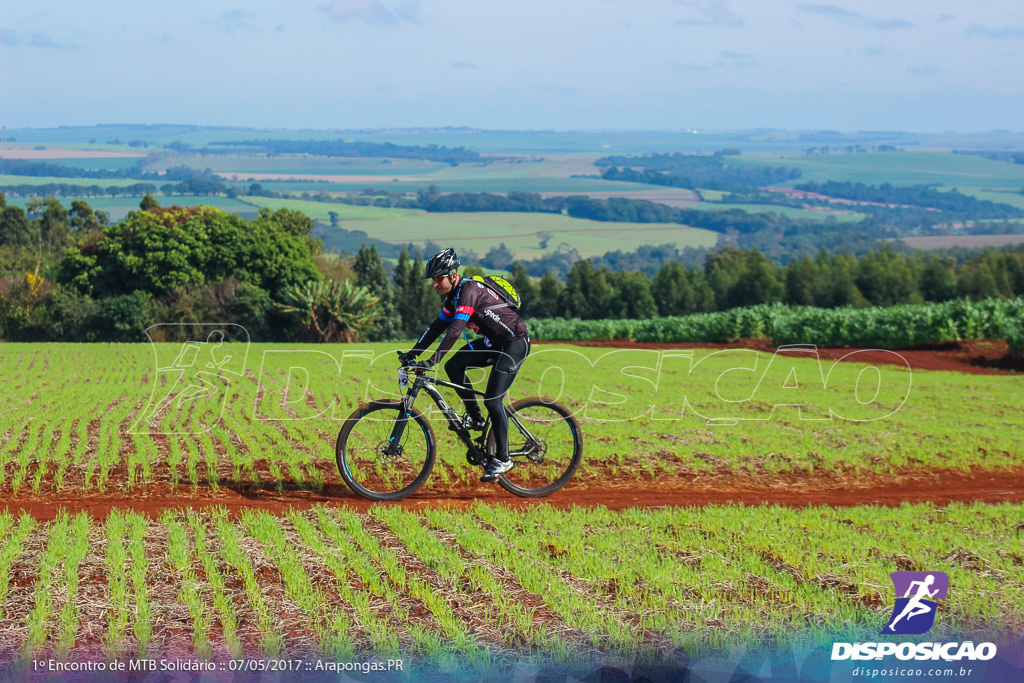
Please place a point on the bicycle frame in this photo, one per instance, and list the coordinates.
(429, 384)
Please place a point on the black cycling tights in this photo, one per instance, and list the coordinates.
(506, 359)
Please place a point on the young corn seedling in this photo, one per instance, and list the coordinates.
(215, 581)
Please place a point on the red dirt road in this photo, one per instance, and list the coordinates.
(939, 487)
(981, 357)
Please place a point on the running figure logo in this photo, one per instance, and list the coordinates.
(193, 378)
(916, 595)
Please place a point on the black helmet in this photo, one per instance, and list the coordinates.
(443, 262)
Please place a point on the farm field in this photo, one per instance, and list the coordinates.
(962, 171)
(85, 418)
(947, 241)
(527, 235)
(180, 502)
(262, 164)
(117, 208)
(6, 180)
(592, 143)
(488, 592)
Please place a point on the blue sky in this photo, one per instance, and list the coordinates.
(913, 65)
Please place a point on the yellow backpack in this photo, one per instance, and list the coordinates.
(503, 288)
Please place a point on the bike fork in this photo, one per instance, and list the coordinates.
(394, 446)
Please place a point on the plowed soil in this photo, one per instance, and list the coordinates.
(980, 357)
(795, 489)
(939, 487)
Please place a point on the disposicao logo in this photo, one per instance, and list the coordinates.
(913, 613)
(916, 596)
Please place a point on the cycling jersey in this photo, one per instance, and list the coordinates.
(475, 305)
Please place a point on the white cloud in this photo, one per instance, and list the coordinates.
(12, 38)
(1001, 33)
(851, 18)
(235, 20)
(875, 50)
(372, 12)
(709, 13)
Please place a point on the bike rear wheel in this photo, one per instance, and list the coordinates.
(545, 444)
(362, 458)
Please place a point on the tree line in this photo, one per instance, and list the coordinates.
(920, 196)
(342, 148)
(730, 278)
(67, 274)
(709, 171)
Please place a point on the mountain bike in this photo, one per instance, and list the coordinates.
(386, 449)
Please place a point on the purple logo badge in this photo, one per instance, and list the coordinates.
(916, 596)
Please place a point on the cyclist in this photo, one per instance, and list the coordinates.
(504, 345)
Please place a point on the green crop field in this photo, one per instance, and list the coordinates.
(225, 164)
(1014, 196)
(484, 590)
(487, 591)
(321, 211)
(465, 183)
(961, 171)
(523, 233)
(838, 214)
(118, 207)
(124, 416)
(6, 180)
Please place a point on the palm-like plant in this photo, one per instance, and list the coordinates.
(332, 311)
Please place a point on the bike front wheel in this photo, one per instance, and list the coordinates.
(367, 464)
(545, 444)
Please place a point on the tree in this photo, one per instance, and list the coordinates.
(290, 220)
(415, 302)
(332, 311)
(885, 278)
(938, 279)
(85, 219)
(156, 251)
(742, 278)
(838, 273)
(370, 275)
(586, 292)
(672, 292)
(54, 225)
(500, 257)
(16, 229)
(803, 281)
(549, 292)
(523, 283)
(148, 203)
(631, 296)
(428, 196)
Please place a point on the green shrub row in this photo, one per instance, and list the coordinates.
(891, 327)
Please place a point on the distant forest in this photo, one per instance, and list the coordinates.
(341, 148)
(693, 171)
(916, 196)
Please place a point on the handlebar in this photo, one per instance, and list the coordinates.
(419, 366)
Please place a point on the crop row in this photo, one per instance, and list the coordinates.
(888, 328)
(92, 417)
(490, 585)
